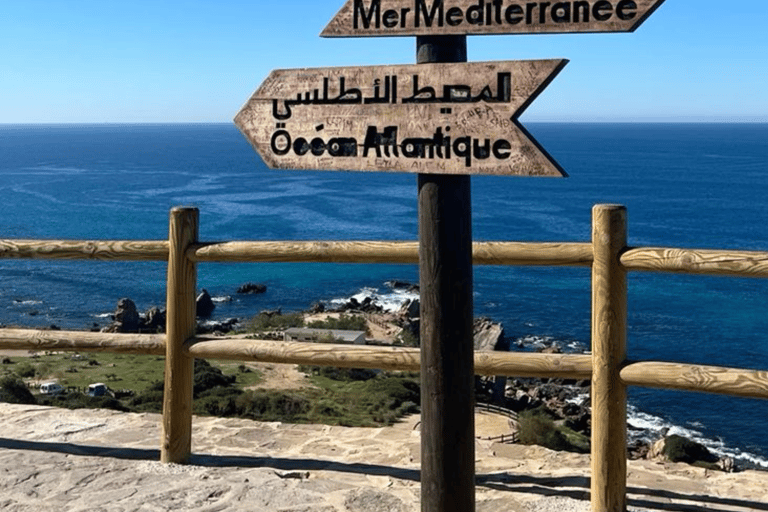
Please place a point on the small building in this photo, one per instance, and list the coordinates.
(324, 335)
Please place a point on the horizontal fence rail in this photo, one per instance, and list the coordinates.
(697, 261)
(606, 367)
(574, 254)
(655, 374)
(117, 250)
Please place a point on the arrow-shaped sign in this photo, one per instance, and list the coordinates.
(458, 118)
(359, 18)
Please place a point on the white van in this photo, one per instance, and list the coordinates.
(51, 388)
(97, 389)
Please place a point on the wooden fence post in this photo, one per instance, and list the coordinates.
(180, 326)
(447, 349)
(609, 350)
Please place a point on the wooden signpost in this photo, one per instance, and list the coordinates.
(444, 119)
(431, 118)
(361, 18)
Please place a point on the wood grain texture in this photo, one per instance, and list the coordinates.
(130, 250)
(446, 321)
(441, 118)
(180, 326)
(511, 364)
(609, 351)
(483, 253)
(39, 341)
(532, 254)
(701, 378)
(409, 17)
(315, 251)
(524, 364)
(697, 261)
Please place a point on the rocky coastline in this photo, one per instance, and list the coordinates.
(565, 402)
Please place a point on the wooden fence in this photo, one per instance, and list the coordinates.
(607, 366)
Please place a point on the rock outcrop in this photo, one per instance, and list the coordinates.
(204, 304)
(126, 317)
(677, 448)
(489, 335)
(252, 288)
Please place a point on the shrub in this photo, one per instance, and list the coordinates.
(25, 370)
(218, 401)
(150, 400)
(342, 323)
(265, 322)
(208, 377)
(536, 427)
(272, 405)
(14, 391)
(340, 374)
(81, 401)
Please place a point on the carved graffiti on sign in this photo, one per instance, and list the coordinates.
(442, 118)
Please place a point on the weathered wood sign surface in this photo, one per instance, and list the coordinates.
(359, 18)
(427, 118)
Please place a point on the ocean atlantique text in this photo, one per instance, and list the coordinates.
(386, 143)
(435, 13)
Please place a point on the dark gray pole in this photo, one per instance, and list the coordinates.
(447, 359)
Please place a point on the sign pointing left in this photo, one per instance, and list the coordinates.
(458, 118)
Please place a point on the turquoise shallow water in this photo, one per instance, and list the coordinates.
(699, 186)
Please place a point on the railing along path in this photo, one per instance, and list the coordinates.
(607, 366)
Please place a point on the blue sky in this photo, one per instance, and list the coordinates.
(119, 61)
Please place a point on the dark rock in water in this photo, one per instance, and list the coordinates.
(252, 288)
(126, 317)
(396, 284)
(218, 327)
(368, 306)
(317, 307)
(410, 309)
(351, 305)
(271, 312)
(676, 448)
(204, 304)
(153, 321)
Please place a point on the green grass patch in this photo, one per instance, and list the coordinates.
(350, 397)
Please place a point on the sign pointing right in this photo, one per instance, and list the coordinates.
(359, 18)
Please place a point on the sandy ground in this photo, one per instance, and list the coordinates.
(98, 460)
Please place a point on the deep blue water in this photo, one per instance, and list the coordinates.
(685, 185)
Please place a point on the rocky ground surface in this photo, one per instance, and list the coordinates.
(99, 460)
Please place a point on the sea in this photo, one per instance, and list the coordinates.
(684, 185)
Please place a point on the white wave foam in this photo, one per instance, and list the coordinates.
(28, 302)
(536, 342)
(649, 428)
(390, 301)
(225, 298)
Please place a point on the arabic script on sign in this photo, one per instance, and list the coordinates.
(448, 118)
